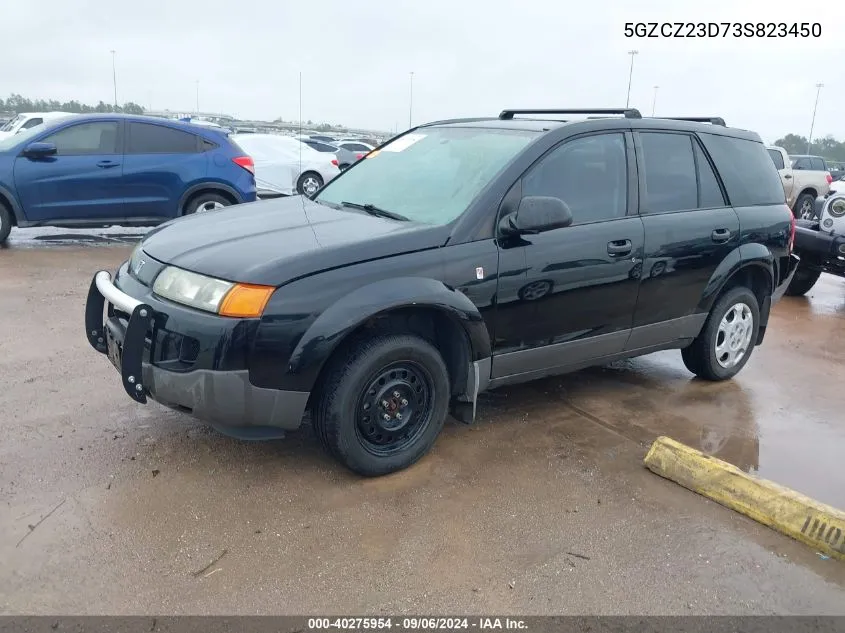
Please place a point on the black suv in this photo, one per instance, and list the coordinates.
(459, 256)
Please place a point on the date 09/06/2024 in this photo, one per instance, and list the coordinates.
(723, 29)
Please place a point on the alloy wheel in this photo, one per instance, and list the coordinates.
(733, 338)
(211, 205)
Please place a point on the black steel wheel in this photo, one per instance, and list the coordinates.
(395, 408)
(382, 403)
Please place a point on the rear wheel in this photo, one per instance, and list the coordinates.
(206, 202)
(5, 222)
(803, 279)
(309, 183)
(383, 403)
(805, 207)
(728, 337)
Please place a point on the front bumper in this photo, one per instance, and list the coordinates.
(127, 330)
(820, 245)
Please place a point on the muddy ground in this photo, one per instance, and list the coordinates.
(542, 507)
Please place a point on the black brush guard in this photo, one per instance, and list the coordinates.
(123, 344)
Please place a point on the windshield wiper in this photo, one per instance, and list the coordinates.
(376, 211)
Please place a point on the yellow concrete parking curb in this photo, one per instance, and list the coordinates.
(816, 524)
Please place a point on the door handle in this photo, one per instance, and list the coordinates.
(787, 177)
(720, 235)
(619, 247)
(106, 164)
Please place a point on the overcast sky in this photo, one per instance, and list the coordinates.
(469, 58)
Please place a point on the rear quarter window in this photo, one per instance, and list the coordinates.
(746, 169)
(777, 158)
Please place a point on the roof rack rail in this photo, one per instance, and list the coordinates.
(715, 120)
(630, 113)
(465, 120)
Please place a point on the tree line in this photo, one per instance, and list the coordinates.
(17, 104)
(827, 147)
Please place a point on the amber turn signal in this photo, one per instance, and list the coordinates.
(246, 300)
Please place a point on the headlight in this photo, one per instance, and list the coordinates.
(837, 208)
(210, 294)
(135, 260)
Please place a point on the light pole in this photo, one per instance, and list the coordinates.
(114, 78)
(813, 122)
(654, 100)
(411, 103)
(630, 76)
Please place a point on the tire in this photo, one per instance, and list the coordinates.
(802, 281)
(309, 183)
(206, 202)
(363, 377)
(5, 222)
(701, 356)
(344, 166)
(805, 207)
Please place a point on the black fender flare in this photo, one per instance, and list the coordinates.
(352, 310)
(17, 211)
(209, 185)
(745, 256)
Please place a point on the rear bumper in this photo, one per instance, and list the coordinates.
(790, 266)
(128, 335)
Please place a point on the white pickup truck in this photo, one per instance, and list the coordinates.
(804, 179)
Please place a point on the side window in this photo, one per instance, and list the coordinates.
(801, 163)
(777, 158)
(670, 179)
(746, 170)
(589, 174)
(817, 164)
(32, 123)
(86, 138)
(148, 138)
(709, 192)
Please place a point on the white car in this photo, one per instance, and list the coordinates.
(26, 120)
(355, 146)
(285, 166)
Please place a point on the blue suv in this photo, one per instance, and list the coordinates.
(104, 169)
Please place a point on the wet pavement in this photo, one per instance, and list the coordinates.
(544, 506)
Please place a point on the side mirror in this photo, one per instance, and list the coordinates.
(40, 150)
(536, 214)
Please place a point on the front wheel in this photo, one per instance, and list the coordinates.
(728, 337)
(802, 281)
(309, 183)
(383, 403)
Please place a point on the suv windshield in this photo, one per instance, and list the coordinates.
(429, 176)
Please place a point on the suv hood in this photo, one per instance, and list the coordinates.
(274, 241)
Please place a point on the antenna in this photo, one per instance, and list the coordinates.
(300, 126)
